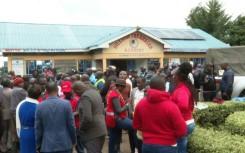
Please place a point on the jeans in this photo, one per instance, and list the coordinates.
(65, 151)
(79, 147)
(150, 148)
(182, 142)
(115, 133)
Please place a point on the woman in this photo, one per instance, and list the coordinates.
(184, 96)
(25, 119)
(116, 108)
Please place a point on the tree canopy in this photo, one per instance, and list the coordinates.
(211, 18)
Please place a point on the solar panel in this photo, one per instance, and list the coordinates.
(176, 34)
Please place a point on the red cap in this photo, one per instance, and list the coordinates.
(17, 81)
(66, 86)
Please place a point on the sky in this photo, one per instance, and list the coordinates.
(144, 13)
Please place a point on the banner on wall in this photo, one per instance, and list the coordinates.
(18, 66)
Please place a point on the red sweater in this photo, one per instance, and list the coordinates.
(159, 119)
(182, 97)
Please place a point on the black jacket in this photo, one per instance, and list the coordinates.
(210, 85)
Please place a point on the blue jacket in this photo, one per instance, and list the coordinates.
(54, 125)
(227, 81)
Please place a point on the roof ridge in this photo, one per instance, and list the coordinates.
(63, 24)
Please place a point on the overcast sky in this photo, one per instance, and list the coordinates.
(150, 13)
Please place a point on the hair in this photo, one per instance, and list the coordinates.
(34, 91)
(183, 72)
(6, 82)
(142, 78)
(51, 87)
(157, 83)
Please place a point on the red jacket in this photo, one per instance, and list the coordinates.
(159, 119)
(182, 97)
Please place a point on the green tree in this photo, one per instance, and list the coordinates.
(237, 32)
(211, 19)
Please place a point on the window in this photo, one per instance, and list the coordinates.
(63, 66)
(37, 65)
(83, 65)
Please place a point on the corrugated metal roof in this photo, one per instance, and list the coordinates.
(82, 37)
(192, 45)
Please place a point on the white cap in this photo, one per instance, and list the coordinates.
(93, 68)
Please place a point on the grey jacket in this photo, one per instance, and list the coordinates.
(54, 125)
(92, 120)
(18, 94)
(7, 92)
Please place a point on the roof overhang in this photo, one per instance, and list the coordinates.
(106, 44)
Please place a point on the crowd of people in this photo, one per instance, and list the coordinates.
(60, 113)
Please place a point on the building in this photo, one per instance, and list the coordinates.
(65, 47)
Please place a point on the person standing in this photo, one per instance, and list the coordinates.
(208, 82)
(159, 119)
(25, 119)
(54, 123)
(226, 85)
(184, 96)
(92, 121)
(116, 115)
(18, 94)
(136, 95)
(85, 80)
(68, 94)
(100, 80)
(6, 114)
(143, 71)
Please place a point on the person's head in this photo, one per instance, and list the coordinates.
(18, 82)
(34, 91)
(111, 70)
(85, 78)
(52, 88)
(89, 71)
(79, 88)
(78, 77)
(140, 81)
(209, 67)
(6, 83)
(35, 73)
(224, 66)
(50, 78)
(42, 82)
(73, 78)
(99, 75)
(12, 73)
(66, 88)
(120, 84)
(94, 69)
(157, 83)
(123, 75)
(143, 68)
(33, 81)
(64, 75)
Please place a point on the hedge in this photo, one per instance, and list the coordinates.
(216, 114)
(210, 141)
(235, 123)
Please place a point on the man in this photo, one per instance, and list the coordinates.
(127, 90)
(18, 94)
(66, 88)
(1, 114)
(92, 121)
(85, 80)
(5, 94)
(54, 123)
(90, 72)
(111, 78)
(208, 82)
(159, 119)
(226, 85)
(136, 95)
(42, 82)
(143, 71)
(100, 80)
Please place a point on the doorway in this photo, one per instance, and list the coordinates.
(120, 65)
